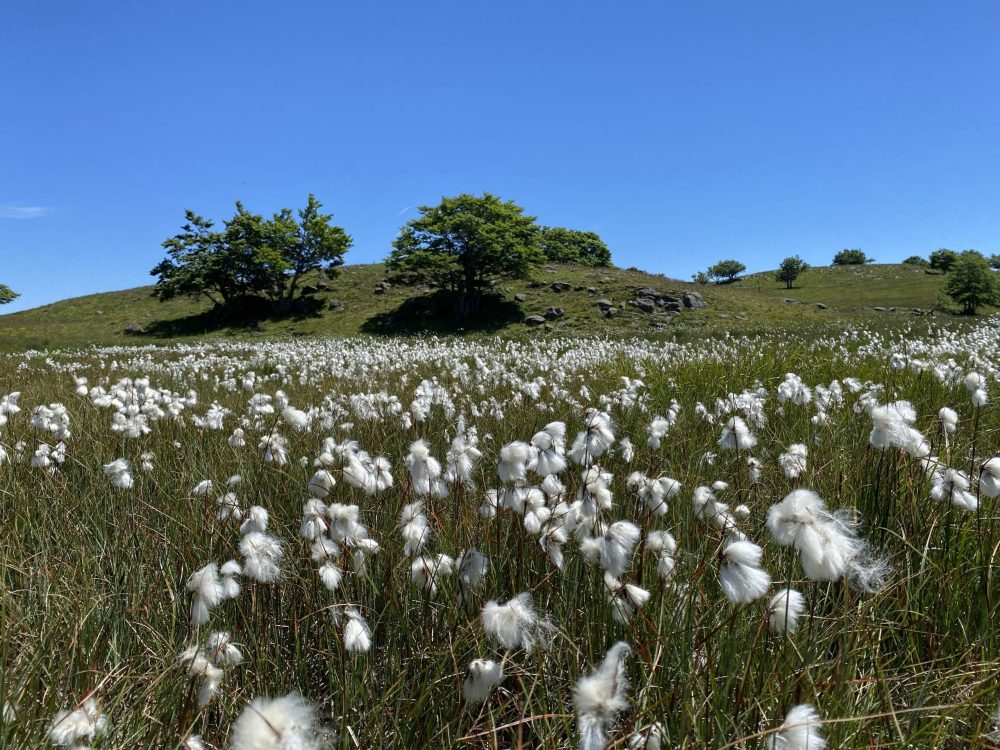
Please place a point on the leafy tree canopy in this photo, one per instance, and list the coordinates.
(995, 262)
(250, 256)
(562, 245)
(916, 260)
(852, 257)
(7, 294)
(971, 283)
(943, 259)
(700, 278)
(790, 269)
(465, 244)
(726, 270)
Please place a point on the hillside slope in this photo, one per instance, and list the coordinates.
(752, 304)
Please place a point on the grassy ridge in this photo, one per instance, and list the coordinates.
(747, 306)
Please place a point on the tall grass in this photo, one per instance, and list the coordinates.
(92, 598)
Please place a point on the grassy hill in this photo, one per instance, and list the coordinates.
(755, 303)
(854, 287)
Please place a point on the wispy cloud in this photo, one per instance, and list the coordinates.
(23, 212)
(404, 210)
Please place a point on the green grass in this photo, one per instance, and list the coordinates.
(846, 288)
(753, 305)
(92, 595)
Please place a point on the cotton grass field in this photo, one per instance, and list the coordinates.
(437, 543)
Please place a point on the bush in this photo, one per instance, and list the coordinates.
(726, 270)
(853, 257)
(790, 269)
(943, 259)
(562, 245)
(971, 283)
(916, 260)
(700, 278)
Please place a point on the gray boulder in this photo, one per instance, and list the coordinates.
(561, 286)
(134, 329)
(520, 297)
(534, 320)
(820, 305)
(604, 304)
(693, 300)
(553, 313)
(335, 304)
(643, 304)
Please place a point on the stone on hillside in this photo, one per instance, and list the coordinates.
(335, 304)
(561, 286)
(520, 297)
(592, 289)
(672, 305)
(611, 312)
(820, 305)
(554, 312)
(134, 329)
(534, 320)
(693, 300)
(643, 304)
(645, 291)
(878, 309)
(604, 304)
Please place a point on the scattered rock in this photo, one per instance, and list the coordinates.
(643, 304)
(335, 304)
(693, 300)
(553, 313)
(604, 304)
(820, 305)
(561, 286)
(534, 320)
(611, 312)
(520, 297)
(645, 291)
(788, 301)
(878, 309)
(309, 289)
(672, 305)
(134, 329)
(592, 289)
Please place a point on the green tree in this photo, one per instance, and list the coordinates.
(943, 259)
(309, 244)
(700, 278)
(7, 294)
(851, 257)
(971, 283)
(916, 260)
(995, 262)
(790, 269)
(465, 244)
(726, 270)
(223, 266)
(562, 245)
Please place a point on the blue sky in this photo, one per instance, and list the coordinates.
(681, 132)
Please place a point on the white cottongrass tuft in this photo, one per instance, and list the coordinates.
(793, 461)
(81, 724)
(784, 611)
(827, 544)
(483, 676)
(515, 623)
(285, 723)
(741, 577)
(600, 696)
(415, 527)
(799, 731)
(262, 555)
(357, 633)
(736, 436)
(206, 592)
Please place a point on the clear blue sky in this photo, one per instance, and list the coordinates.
(681, 132)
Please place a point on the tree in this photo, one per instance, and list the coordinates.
(853, 257)
(995, 262)
(562, 245)
(790, 269)
(726, 270)
(223, 266)
(916, 260)
(971, 282)
(943, 259)
(7, 294)
(700, 278)
(309, 244)
(465, 244)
